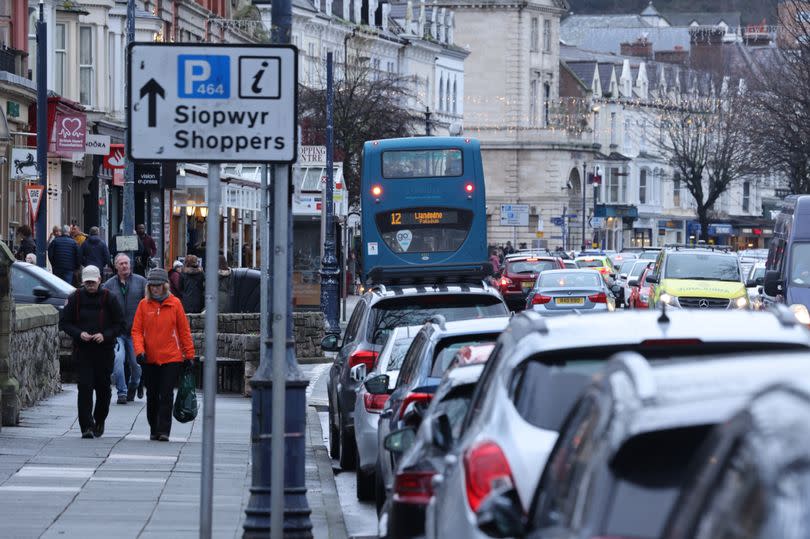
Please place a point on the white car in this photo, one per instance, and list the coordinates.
(753, 284)
(367, 407)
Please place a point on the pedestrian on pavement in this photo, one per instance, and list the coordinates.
(56, 231)
(174, 279)
(508, 250)
(94, 251)
(31, 258)
(495, 261)
(94, 320)
(163, 345)
(129, 289)
(64, 256)
(149, 247)
(27, 243)
(77, 235)
(192, 285)
(224, 273)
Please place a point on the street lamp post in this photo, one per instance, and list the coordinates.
(42, 134)
(329, 267)
(584, 177)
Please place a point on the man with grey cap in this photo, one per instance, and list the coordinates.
(93, 318)
(64, 256)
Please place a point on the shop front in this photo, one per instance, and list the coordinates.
(670, 232)
(618, 229)
(722, 234)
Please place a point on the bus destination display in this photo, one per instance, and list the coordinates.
(423, 217)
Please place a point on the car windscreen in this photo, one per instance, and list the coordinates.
(638, 269)
(702, 267)
(530, 266)
(589, 263)
(570, 279)
(400, 347)
(758, 273)
(447, 349)
(648, 472)
(544, 394)
(391, 313)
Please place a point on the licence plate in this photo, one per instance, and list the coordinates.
(527, 285)
(570, 301)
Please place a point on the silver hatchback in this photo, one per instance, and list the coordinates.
(565, 291)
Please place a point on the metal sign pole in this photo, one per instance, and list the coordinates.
(42, 136)
(129, 167)
(210, 366)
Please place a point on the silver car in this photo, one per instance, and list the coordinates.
(565, 291)
(537, 371)
(367, 407)
(753, 284)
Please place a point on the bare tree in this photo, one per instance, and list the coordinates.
(780, 92)
(707, 141)
(368, 105)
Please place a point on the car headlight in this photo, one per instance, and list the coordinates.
(741, 302)
(672, 301)
(801, 313)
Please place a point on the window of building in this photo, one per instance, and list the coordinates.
(546, 35)
(534, 40)
(676, 191)
(533, 96)
(441, 92)
(60, 59)
(5, 22)
(642, 186)
(390, 67)
(32, 42)
(746, 200)
(626, 133)
(613, 185)
(86, 65)
(455, 96)
(613, 128)
(311, 62)
(375, 65)
(546, 101)
(596, 126)
(448, 98)
(111, 62)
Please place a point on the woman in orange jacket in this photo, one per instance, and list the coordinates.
(161, 337)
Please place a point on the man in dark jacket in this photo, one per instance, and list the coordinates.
(192, 285)
(94, 251)
(64, 256)
(129, 289)
(94, 319)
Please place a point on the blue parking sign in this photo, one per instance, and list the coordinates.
(204, 76)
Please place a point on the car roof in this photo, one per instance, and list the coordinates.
(592, 257)
(465, 374)
(523, 258)
(699, 250)
(380, 291)
(674, 394)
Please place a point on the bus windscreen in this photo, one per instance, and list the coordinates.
(429, 230)
(438, 163)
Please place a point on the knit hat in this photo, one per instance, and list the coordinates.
(157, 276)
(91, 273)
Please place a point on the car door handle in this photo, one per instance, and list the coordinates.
(387, 413)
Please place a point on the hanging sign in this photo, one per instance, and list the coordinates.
(115, 159)
(97, 145)
(24, 164)
(71, 132)
(34, 193)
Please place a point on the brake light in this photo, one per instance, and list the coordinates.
(469, 188)
(376, 190)
(506, 282)
(368, 357)
(413, 398)
(539, 299)
(603, 270)
(374, 403)
(413, 487)
(601, 297)
(485, 468)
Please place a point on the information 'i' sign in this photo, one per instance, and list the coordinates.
(212, 103)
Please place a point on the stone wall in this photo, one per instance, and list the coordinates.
(34, 353)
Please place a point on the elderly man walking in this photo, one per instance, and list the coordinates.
(64, 256)
(94, 320)
(129, 289)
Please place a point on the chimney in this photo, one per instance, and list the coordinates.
(641, 48)
(677, 56)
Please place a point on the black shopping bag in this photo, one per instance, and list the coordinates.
(185, 404)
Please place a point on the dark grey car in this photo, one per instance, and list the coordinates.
(32, 284)
(378, 312)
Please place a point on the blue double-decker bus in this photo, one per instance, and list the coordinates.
(423, 207)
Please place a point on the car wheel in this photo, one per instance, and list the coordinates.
(348, 450)
(365, 483)
(379, 488)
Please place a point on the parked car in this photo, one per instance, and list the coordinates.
(751, 476)
(518, 277)
(423, 451)
(427, 359)
(639, 291)
(626, 449)
(380, 310)
(32, 284)
(536, 372)
(753, 284)
(368, 407)
(565, 291)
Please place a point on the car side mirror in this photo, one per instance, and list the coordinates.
(758, 281)
(750, 283)
(40, 292)
(622, 276)
(442, 432)
(330, 343)
(612, 275)
(377, 385)
(358, 372)
(773, 283)
(500, 514)
(652, 279)
(632, 282)
(400, 440)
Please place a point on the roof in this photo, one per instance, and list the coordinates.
(604, 35)
(704, 18)
(584, 71)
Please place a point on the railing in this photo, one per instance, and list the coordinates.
(8, 60)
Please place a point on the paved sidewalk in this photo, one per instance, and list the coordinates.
(55, 484)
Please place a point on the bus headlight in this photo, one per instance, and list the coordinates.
(741, 302)
(801, 313)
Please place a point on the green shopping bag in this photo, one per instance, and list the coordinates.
(185, 403)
